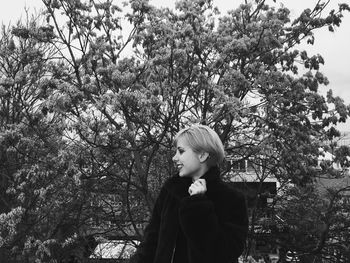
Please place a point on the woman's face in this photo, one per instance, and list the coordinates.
(187, 161)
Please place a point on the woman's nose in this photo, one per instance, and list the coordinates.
(174, 158)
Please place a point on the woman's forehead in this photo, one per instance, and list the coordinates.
(181, 142)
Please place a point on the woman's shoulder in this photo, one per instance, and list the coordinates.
(170, 182)
(177, 186)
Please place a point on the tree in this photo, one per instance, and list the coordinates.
(40, 193)
(124, 96)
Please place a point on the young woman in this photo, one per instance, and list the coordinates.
(197, 218)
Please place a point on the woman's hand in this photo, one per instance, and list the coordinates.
(198, 187)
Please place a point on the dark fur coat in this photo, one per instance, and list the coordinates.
(206, 228)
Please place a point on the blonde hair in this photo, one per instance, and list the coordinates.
(202, 138)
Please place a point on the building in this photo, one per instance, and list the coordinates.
(344, 139)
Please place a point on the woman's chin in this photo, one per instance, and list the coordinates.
(181, 174)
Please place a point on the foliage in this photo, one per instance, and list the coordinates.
(40, 189)
(110, 88)
(317, 230)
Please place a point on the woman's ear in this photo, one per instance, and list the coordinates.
(203, 156)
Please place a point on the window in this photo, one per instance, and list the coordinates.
(238, 165)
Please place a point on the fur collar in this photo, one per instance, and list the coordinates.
(178, 186)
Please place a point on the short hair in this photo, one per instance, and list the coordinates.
(202, 138)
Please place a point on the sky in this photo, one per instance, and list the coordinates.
(334, 47)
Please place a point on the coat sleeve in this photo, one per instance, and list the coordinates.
(217, 231)
(145, 252)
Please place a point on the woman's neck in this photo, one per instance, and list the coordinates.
(201, 172)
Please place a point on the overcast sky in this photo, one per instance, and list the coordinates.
(334, 47)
